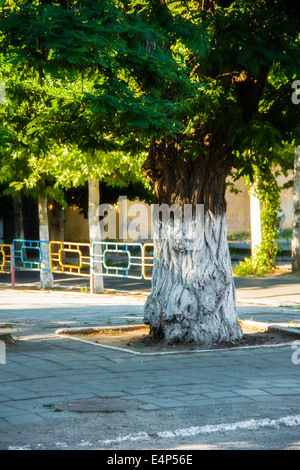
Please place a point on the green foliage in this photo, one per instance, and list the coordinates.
(263, 259)
(251, 266)
(50, 140)
(91, 84)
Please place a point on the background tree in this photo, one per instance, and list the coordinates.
(47, 78)
(192, 297)
(26, 97)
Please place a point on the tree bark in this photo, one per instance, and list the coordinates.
(57, 222)
(296, 221)
(18, 217)
(46, 277)
(193, 293)
(95, 232)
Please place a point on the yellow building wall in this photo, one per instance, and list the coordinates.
(238, 209)
(76, 226)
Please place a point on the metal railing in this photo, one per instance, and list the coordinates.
(5, 258)
(31, 255)
(123, 260)
(148, 260)
(70, 258)
(118, 260)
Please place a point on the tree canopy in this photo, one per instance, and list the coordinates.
(111, 77)
(52, 60)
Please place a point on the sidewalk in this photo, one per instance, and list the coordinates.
(80, 395)
(33, 310)
(268, 290)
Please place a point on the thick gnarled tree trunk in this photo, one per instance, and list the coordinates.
(193, 292)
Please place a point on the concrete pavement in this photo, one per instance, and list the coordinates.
(268, 290)
(59, 393)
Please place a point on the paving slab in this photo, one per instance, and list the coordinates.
(163, 392)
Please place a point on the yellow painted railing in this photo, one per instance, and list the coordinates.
(5, 258)
(147, 260)
(70, 258)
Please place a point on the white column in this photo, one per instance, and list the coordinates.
(255, 221)
(97, 284)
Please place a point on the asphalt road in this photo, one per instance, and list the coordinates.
(30, 278)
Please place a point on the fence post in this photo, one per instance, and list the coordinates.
(91, 282)
(13, 278)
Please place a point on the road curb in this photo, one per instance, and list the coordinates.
(68, 332)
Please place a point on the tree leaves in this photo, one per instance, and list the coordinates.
(105, 78)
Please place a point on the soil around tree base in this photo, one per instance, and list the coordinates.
(8, 340)
(139, 340)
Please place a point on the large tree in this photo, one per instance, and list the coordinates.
(193, 296)
(185, 80)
